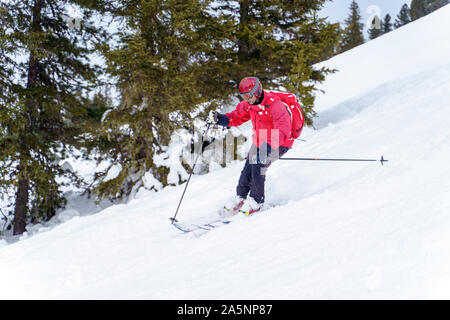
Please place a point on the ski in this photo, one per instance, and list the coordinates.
(203, 226)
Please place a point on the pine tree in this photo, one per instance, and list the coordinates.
(285, 38)
(177, 55)
(387, 24)
(44, 70)
(165, 71)
(275, 39)
(376, 28)
(434, 5)
(404, 17)
(353, 33)
(419, 9)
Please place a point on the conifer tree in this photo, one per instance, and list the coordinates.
(176, 55)
(434, 5)
(387, 24)
(164, 70)
(419, 9)
(403, 17)
(45, 69)
(281, 40)
(353, 32)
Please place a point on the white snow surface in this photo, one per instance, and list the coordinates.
(338, 230)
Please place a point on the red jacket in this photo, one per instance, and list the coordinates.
(271, 121)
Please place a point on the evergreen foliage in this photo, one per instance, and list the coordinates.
(419, 9)
(404, 17)
(172, 61)
(387, 24)
(174, 56)
(279, 41)
(434, 5)
(353, 32)
(44, 72)
(164, 69)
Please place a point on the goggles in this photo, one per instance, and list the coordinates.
(246, 96)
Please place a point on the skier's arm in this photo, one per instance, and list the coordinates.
(237, 117)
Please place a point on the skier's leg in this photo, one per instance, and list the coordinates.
(257, 183)
(259, 177)
(243, 186)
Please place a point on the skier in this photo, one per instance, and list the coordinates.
(272, 138)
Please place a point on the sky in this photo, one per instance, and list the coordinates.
(338, 10)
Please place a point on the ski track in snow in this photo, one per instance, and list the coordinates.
(340, 230)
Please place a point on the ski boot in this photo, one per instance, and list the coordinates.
(233, 206)
(250, 206)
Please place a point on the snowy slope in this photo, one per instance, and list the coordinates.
(340, 230)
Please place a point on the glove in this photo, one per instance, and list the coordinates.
(217, 118)
(213, 117)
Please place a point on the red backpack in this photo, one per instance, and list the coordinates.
(293, 107)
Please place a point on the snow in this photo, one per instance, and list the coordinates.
(151, 182)
(409, 50)
(338, 230)
(113, 172)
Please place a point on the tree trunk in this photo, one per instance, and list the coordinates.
(243, 44)
(20, 210)
(22, 195)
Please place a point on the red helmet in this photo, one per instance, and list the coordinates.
(250, 86)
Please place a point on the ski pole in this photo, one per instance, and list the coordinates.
(189, 179)
(382, 160)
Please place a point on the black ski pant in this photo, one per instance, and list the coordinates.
(253, 175)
